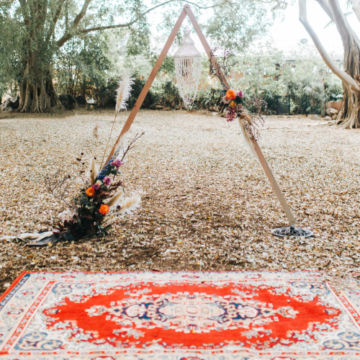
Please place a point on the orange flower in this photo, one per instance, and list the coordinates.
(232, 104)
(104, 209)
(90, 192)
(230, 94)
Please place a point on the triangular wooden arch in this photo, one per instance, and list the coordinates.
(187, 12)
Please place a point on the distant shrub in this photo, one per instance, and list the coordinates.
(169, 94)
(106, 94)
(151, 98)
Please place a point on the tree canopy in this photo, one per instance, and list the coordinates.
(35, 32)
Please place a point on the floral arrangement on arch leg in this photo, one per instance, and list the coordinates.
(234, 102)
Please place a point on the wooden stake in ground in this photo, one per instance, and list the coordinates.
(187, 12)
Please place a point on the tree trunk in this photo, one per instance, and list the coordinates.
(37, 93)
(83, 93)
(350, 115)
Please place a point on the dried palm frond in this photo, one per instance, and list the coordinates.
(93, 171)
(116, 198)
(130, 204)
(123, 91)
(34, 236)
(243, 124)
(96, 130)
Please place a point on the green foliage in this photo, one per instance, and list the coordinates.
(265, 73)
(10, 48)
(105, 96)
(168, 65)
(208, 97)
(333, 91)
(169, 94)
(82, 66)
(259, 71)
(238, 24)
(64, 39)
(139, 39)
(150, 99)
(306, 98)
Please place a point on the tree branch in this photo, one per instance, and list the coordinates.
(67, 36)
(211, 6)
(325, 6)
(25, 12)
(81, 14)
(85, 31)
(347, 79)
(339, 20)
(78, 18)
(54, 21)
(345, 30)
(356, 8)
(42, 17)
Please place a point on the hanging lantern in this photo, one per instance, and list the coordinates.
(188, 68)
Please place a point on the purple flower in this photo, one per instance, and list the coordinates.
(117, 163)
(107, 181)
(240, 94)
(96, 187)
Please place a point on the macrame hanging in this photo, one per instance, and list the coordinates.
(188, 68)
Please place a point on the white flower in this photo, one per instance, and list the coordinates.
(66, 215)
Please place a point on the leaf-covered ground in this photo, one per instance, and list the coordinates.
(207, 204)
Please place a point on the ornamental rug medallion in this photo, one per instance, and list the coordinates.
(178, 316)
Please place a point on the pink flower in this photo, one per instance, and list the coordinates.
(231, 114)
(107, 181)
(117, 163)
(96, 186)
(240, 94)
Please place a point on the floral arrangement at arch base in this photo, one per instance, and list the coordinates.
(102, 192)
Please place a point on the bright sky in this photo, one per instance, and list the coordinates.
(290, 31)
(286, 34)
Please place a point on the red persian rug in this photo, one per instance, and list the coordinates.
(178, 316)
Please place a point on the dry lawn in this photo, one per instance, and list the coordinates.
(207, 204)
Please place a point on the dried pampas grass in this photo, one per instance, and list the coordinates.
(122, 95)
(130, 204)
(93, 171)
(115, 199)
(123, 91)
(96, 130)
